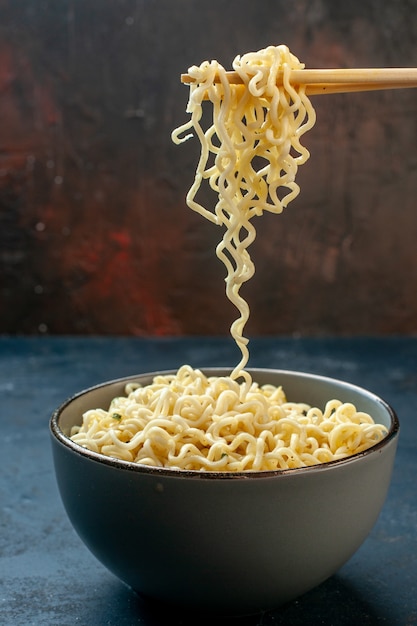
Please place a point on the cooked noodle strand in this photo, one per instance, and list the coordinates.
(254, 137)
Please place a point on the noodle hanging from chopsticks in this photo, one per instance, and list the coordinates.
(254, 138)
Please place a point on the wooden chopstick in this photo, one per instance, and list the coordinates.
(328, 81)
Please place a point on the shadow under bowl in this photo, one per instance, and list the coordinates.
(222, 542)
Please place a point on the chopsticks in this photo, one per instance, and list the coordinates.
(327, 81)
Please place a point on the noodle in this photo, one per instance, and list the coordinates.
(249, 156)
(190, 421)
(255, 139)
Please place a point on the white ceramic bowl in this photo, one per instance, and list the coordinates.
(231, 543)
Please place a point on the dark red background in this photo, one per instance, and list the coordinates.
(95, 236)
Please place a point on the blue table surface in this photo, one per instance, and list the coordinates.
(48, 577)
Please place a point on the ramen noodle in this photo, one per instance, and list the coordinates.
(250, 153)
(190, 421)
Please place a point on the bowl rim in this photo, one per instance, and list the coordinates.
(58, 434)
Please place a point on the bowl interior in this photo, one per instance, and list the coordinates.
(312, 389)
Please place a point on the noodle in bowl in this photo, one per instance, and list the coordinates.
(228, 542)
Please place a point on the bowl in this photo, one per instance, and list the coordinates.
(228, 543)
